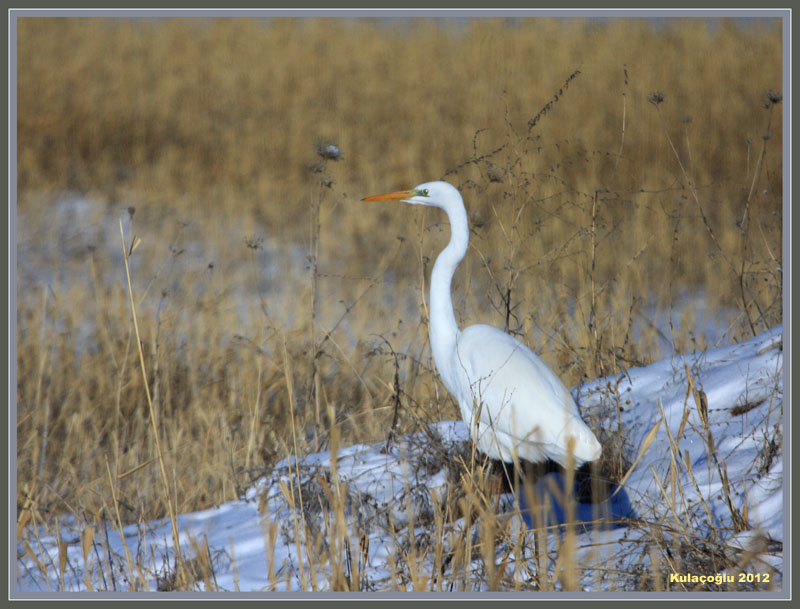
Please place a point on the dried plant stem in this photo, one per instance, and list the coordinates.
(693, 191)
(128, 558)
(312, 394)
(290, 391)
(43, 360)
(738, 272)
(254, 418)
(759, 165)
(622, 134)
(593, 307)
(167, 495)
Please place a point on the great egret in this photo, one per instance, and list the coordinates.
(512, 402)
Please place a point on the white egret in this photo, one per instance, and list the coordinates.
(513, 404)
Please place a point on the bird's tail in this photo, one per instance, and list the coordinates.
(585, 446)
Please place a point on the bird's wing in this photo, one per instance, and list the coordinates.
(518, 395)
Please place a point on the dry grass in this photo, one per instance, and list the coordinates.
(264, 288)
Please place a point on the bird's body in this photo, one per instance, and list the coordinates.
(522, 407)
(513, 404)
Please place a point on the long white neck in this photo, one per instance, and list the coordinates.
(443, 326)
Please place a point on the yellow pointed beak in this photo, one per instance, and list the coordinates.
(391, 196)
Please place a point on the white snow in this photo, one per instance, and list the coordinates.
(730, 498)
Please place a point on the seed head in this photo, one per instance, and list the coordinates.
(656, 98)
(773, 97)
(329, 152)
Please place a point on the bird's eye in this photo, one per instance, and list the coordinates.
(425, 191)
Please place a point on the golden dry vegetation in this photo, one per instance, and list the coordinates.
(617, 173)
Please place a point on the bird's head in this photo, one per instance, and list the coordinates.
(434, 194)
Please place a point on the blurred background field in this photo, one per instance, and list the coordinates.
(623, 179)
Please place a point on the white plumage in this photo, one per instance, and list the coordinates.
(523, 409)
